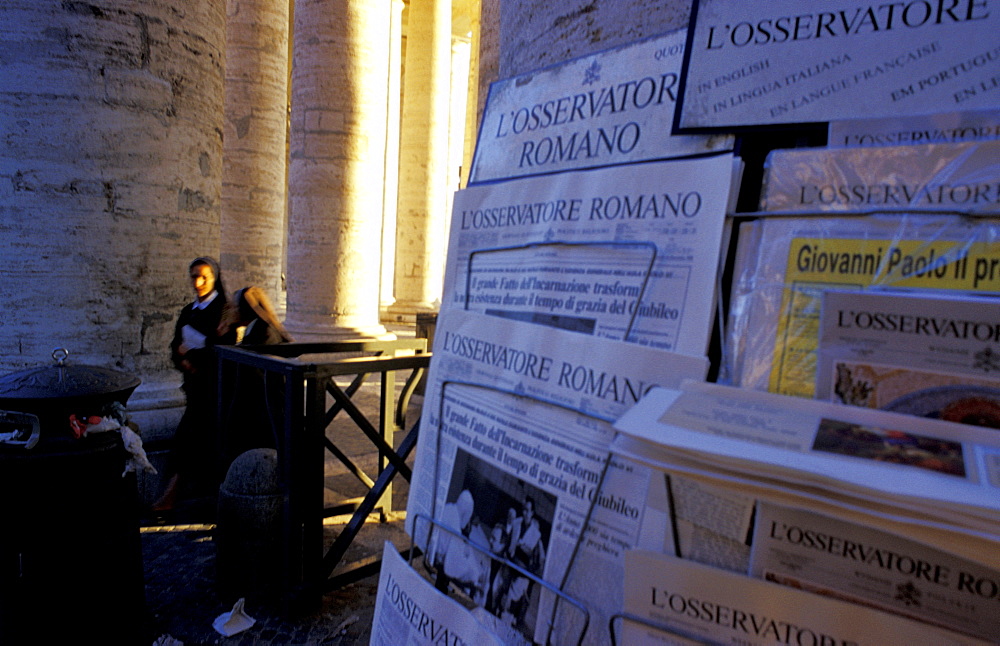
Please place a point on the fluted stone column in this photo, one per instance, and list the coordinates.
(424, 175)
(336, 169)
(254, 149)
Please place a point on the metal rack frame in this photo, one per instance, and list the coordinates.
(306, 372)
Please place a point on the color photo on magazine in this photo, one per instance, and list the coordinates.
(898, 447)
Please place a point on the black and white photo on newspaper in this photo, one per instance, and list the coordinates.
(598, 378)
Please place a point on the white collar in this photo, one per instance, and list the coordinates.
(200, 305)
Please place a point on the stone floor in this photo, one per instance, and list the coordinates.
(179, 552)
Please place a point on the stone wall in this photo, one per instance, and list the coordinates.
(537, 34)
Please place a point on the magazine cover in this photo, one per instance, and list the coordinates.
(784, 264)
(932, 355)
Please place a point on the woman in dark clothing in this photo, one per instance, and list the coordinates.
(194, 455)
(253, 415)
(252, 308)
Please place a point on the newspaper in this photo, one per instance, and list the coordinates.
(723, 497)
(699, 602)
(962, 177)
(515, 411)
(940, 128)
(592, 375)
(910, 464)
(932, 355)
(925, 525)
(410, 612)
(712, 523)
(768, 62)
(529, 474)
(864, 565)
(608, 107)
(783, 264)
(626, 253)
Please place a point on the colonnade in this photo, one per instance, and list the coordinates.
(138, 135)
(369, 166)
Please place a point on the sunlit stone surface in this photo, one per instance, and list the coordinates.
(336, 168)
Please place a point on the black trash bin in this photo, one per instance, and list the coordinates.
(70, 550)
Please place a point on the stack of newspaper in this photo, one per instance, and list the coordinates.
(884, 512)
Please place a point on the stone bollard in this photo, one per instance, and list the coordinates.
(248, 531)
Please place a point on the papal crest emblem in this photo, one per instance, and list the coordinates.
(908, 593)
(986, 360)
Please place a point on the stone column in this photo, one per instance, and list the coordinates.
(336, 168)
(110, 175)
(461, 59)
(254, 148)
(472, 95)
(110, 180)
(488, 53)
(391, 191)
(424, 178)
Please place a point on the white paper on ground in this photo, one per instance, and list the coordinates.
(234, 621)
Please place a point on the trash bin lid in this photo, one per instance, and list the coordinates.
(65, 381)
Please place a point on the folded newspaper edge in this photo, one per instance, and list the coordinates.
(774, 437)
